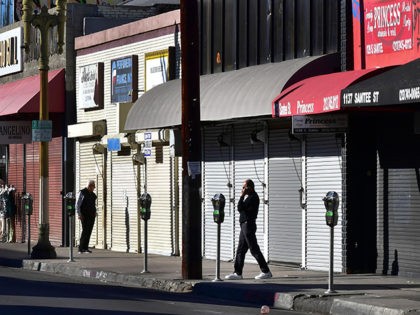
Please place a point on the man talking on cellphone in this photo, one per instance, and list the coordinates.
(248, 205)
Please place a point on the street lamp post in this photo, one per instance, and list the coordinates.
(43, 21)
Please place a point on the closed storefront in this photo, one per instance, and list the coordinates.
(250, 163)
(123, 215)
(285, 212)
(91, 166)
(218, 179)
(323, 174)
(24, 171)
(159, 184)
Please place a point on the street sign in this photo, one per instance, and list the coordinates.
(41, 130)
(113, 144)
(147, 148)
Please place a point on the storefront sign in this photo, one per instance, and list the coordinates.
(388, 26)
(124, 79)
(41, 130)
(11, 51)
(319, 123)
(91, 82)
(15, 132)
(157, 67)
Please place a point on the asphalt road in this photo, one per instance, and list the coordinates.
(29, 292)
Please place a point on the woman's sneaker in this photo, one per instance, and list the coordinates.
(233, 276)
(264, 275)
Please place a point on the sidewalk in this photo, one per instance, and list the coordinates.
(290, 288)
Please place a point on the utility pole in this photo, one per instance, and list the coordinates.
(191, 142)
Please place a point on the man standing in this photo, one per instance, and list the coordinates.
(86, 211)
(248, 205)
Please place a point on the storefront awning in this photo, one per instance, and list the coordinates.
(22, 96)
(243, 93)
(316, 95)
(397, 86)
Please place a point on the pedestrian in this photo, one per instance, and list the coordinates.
(86, 211)
(248, 205)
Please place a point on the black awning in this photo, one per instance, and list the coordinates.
(396, 86)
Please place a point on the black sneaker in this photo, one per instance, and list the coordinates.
(87, 251)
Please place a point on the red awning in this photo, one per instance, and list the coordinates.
(315, 95)
(22, 96)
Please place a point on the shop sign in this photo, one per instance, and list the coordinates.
(15, 132)
(124, 79)
(157, 68)
(388, 26)
(319, 123)
(11, 51)
(91, 81)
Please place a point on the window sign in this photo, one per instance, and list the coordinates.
(124, 79)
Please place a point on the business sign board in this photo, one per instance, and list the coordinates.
(91, 86)
(319, 123)
(11, 51)
(385, 32)
(124, 79)
(15, 132)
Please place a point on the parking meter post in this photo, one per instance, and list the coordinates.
(29, 235)
(218, 202)
(145, 204)
(70, 206)
(331, 202)
(71, 220)
(27, 202)
(145, 249)
(218, 255)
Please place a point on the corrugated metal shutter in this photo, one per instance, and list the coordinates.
(381, 243)
(32, 185)
(404, 221)
(55, 187)
(160, 228)
(217, 178)
(323, 158)
(123, 211)
(249, 163)
(285, 213)
(90, 166)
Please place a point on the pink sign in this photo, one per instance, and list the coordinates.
(388, 26)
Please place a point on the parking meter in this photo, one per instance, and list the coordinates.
(145, 203)
(70, 203)
(218, 202)
(331, 201)
(27, 203)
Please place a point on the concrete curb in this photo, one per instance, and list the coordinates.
(375, 306)
(349, 304)
(109, 276)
